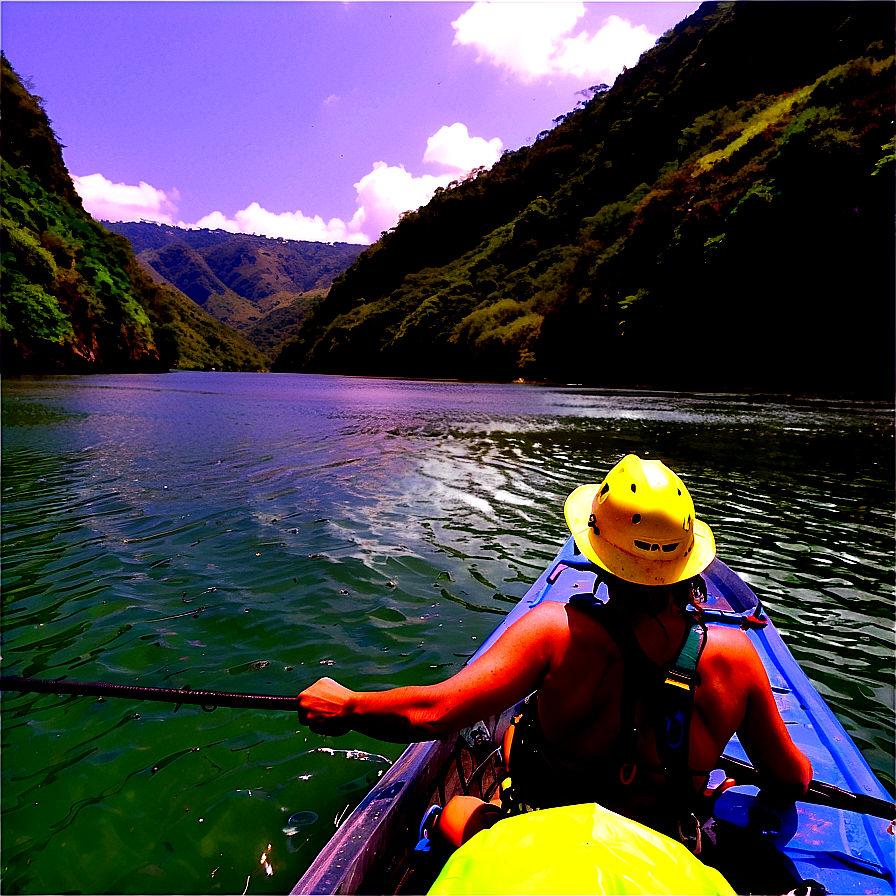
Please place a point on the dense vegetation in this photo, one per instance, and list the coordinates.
(263, 288)
(721, 218)
(74, 298)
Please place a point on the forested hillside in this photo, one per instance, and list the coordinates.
(74, 298)
(722, 217)
(264, 288)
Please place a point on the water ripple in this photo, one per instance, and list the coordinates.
(256, 532)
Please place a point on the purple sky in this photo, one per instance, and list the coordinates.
(307, 120)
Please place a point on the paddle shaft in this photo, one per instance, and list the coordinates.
(819, 793)
(163, 695)
(744, 773)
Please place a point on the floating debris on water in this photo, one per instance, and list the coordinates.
(299, 820)
(353, 754)
(362, 783)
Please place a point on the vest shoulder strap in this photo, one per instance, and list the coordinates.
(682, 670)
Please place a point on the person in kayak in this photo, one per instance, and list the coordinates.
(589, 731)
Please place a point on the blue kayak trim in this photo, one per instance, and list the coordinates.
(846, 851)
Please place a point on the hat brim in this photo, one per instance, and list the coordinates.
(631, 568)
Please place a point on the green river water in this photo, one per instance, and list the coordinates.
(251, 532)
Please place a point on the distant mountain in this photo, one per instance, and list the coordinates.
(74, 298)
(722, 217)
(263, 288)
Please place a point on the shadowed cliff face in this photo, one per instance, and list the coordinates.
(69, 302)
(74, 298)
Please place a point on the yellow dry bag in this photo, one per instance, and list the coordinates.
(575, 849)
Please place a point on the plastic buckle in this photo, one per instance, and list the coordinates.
(753, 621)
(427, 826)
(680, 680)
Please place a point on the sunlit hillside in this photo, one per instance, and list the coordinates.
(263, 288)
(721, 217)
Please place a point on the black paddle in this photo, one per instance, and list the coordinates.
(744, 773)
(206, 699)
(819, 793)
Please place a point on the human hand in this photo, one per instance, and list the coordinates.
(325, 706)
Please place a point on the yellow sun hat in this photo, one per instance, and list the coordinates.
(640, 525)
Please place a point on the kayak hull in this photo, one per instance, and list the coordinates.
(843, 850)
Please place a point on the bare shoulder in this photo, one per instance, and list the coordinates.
(560, 634)
(547, 621)
(727, 645)
(538, 630)
(550, 614)
(732, 661)
(552, 627)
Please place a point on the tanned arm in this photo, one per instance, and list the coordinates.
(509, 671)
(762, 732)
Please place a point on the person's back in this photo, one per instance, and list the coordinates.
(594, 734)
(581, 712)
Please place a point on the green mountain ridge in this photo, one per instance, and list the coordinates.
(717, 219)
(262, 287)
(74, 299)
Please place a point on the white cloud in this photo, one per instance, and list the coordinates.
(617, 44)
(389, 190)
(382, 195)
(535, 40)
(521, 37)
(287, 225)
(124, 202)
(453, 146)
